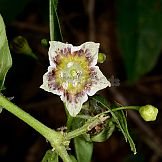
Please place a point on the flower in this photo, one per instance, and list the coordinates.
(148, 112)
(72, 74)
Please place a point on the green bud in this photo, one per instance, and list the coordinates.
(148, 112)
(44, 42)
(101, 57)
(20, 45)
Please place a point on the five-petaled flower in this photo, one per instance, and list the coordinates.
(72, 74)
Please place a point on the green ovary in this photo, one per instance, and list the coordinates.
(72, 73)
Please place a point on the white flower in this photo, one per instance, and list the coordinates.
(72, 74)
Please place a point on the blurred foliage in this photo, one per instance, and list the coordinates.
(73, 158)
(5, 56)
(140, 35)
(118, 118)
(83, 149)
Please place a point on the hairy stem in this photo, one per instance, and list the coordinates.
(55, 138)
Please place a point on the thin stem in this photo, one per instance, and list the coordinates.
(69, 119)
(93, 121)
(126, 108)
(69, 122)
(27, 118)
(51, 18)
(55, 138)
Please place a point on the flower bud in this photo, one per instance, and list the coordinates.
(20, 45)
(101, 57)
(45, 42)
(148, 112)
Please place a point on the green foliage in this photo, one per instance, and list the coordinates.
(83, 145)
(83, 149)
(5, 56)
(73, 158)
(119, 118)
(50, 156)
(122, 124)
(140, 35)
(55, 29)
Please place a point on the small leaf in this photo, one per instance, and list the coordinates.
(122, 119)
(5, 56)
(104, 103)
(50, 156)
(119, 120)
(83, 149)
(73, 158)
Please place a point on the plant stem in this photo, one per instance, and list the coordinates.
(69, 119)
(51, 20)
(55, 138)
(126, 108)
(93, 121)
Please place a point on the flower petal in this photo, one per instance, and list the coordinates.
(49, 85)
(55, 48)
(99, 81)
(74, 103)
(91, 49)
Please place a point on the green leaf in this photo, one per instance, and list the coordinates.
(73, 158)
(50, 156)
(140, 35)
(55, 29)
(122, 119)
(119, 119)
(5, 56)
(83, 149)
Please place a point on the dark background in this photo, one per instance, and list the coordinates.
(107, 22)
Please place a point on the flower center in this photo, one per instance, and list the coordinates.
(72, 73)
